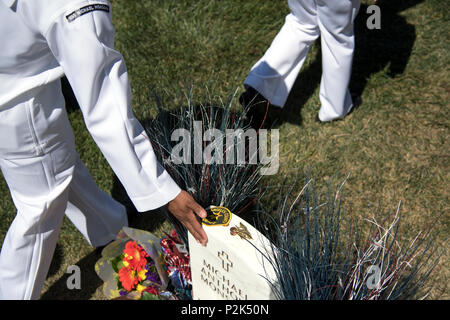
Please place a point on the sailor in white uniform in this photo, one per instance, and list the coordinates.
(42, 40)
(275, 73)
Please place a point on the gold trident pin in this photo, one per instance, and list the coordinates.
(241, 231)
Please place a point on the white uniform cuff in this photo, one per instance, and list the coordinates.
(167, 191)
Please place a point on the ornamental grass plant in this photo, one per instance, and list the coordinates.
(321, 252)
(207, 176)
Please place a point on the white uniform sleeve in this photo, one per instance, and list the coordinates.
(83, 44)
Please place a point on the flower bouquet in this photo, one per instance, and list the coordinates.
(140, 266)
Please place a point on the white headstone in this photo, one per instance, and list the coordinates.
(233, 265)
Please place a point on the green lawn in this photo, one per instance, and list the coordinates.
(395, 146)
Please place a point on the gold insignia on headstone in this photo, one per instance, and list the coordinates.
(217, 216)
(241, 231)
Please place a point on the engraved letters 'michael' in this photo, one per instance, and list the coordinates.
(226, 263)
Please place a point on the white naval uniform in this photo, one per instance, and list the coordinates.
(41, 40)
(275, 73)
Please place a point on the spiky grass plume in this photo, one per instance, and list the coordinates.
(319, 254)
(234, 185)
(386, 267)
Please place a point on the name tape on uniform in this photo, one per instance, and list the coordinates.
(86, 9)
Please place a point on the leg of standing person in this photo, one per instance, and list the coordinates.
(275, 73)
(335, 20)
(93, 212)
(46, 179)
(39, 186)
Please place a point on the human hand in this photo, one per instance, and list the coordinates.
(185, 209)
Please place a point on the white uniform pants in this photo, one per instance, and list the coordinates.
(275, 73)
(46, 179)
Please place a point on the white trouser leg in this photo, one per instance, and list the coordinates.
(335, 20)
(95, 214)
(39, 190)
(275, 73)
(46, 179)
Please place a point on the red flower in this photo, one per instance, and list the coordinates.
(135, 256)
(128, 278)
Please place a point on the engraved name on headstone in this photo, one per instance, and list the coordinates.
(233, 265)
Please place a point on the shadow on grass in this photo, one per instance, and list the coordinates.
(389, 47)
(89, 280)
(149, 220)
(377, 49)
